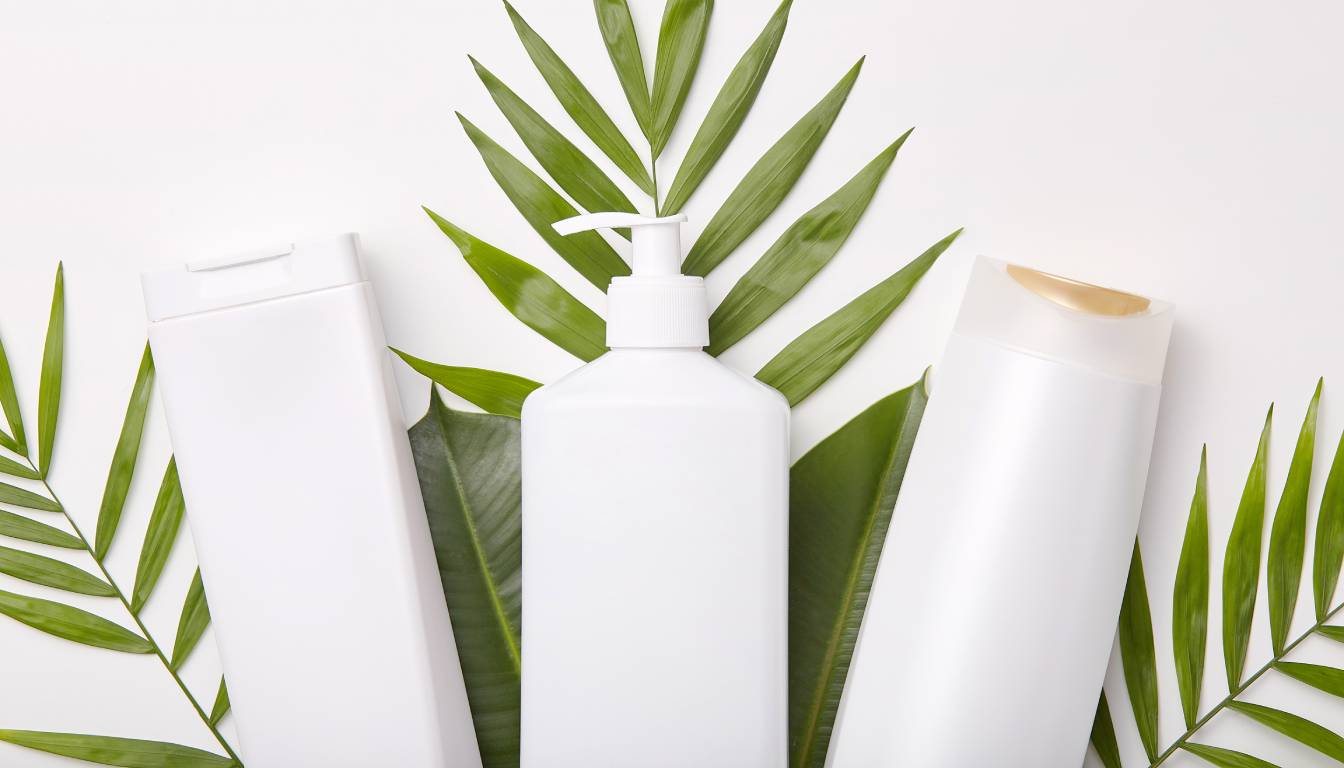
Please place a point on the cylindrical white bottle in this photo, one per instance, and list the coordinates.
(994, 605)
(655, 537)
(306, 513)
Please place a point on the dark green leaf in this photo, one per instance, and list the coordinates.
(1103, 735)
(1334, 633)
(618, 32)
(192, 623)
(1226, 758)
(1327, 679)
(107, 750)
(1190, 602)
(542, 206)
(53, 573)
(221, 707)
(842, 493)
(580, 104)
(72, 623)
(16, 441)
(19, 527)
(20, 497)
(49, 386)
(1241, 564)
(1329, 536)
(531, 295)
(812, 358)
(159, 537)
(726, 114)
(492, 391)
(768, 182)
(468, 466)
(1137, 655)
(797, 256)
(13, 468)
(681, 38)
(124, 457)
(1288, 535)
(566, 163)
(1297, 728)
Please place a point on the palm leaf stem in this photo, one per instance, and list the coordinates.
(144, 631)
(1231, 697)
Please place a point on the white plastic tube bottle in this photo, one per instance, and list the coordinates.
(306, 514)
(994, 605)
(655, 539)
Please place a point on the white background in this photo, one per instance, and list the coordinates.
(1185, 150)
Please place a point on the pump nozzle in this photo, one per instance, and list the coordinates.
(656, 241)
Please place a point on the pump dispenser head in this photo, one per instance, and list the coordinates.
(656, 306)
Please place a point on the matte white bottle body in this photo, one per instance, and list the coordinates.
(655, 536)
(311, 536)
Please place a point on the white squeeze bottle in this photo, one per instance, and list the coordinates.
(306, 513)
(655, 536)
(994, 605)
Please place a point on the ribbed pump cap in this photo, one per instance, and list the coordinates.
(656, 306)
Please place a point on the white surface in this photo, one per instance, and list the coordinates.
(306, 513)
(1185, 150)
(655, 516)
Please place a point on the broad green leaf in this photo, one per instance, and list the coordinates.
(1288, 535)
(16, 440)
(21, 497)
(1225, 758)
(159, 537)
(492, 391)
(768, 182)
(1329, 537)
(13, 468)
(531, 295)
(108, 750)
(726, 114)
(221, 707)
(124, 457)
(1328, 679)
(1241, 563)
(841, 496)
(1190, 602)
(812, 358)
(49, 386)
(681, 38)
(71, 623)
(587, 252)
(566, 163)
(1137, 655)
(468, 464)
(19, 527)
(618, 32)
(580, 104)
(1297, 728)
(1103, 735)
(192, 623)
(53, 573)
(1334, 633)
(797, 256)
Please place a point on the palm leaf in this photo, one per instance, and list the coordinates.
(1334, 633)
(1103, 735)
(1225, 758)
(768, 182)
(1241, 563)
(726, 114)
(1288, 536)
(192, 622)
(19, 527)
(1328, 679)
(16, 440)
(1138, 656)
(542, 206)
(576, 100)
(159, 537)
(492, 391)
(53, 573)
(107, 750)
(124, 456)
(468, 466)
(618, 33)
(812, 358)
(21, 497)
(532, 296)
(221, 706)
(1294, 727)
(1190, 602)
(797, 256)
(72, 623)
(842, 493)
(13, 468)
(1329, 537)
(49, 386)
(681, 39)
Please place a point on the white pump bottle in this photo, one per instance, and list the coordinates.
(655, 535)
